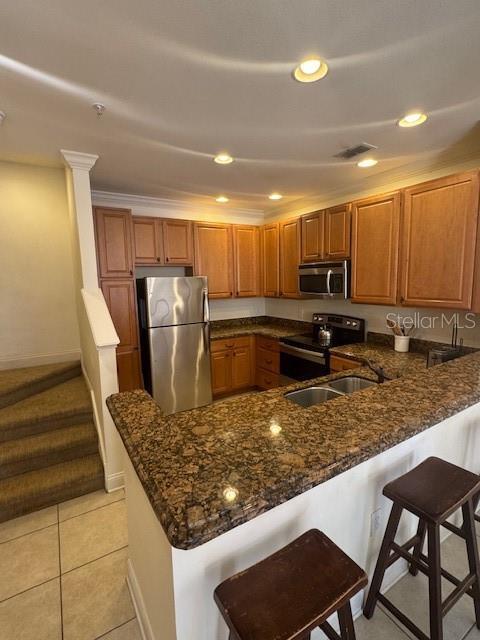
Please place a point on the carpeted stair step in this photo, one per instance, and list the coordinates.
(18, 384)
(34, 490)
(60, 406)
(48, 448)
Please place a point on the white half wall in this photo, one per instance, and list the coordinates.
(38, 320)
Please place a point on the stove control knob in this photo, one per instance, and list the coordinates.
(348, 322)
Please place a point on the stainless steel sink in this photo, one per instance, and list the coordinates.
(350, 384)
(312, 395)
(334, 389)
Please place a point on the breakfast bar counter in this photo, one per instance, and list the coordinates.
(227, 484)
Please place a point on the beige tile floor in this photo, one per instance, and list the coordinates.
(63, 573)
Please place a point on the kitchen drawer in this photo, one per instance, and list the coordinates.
(268, 360)
(229, 343)
(270, 344)
(267, 379)
(342, 364)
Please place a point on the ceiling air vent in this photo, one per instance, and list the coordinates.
(358, 149)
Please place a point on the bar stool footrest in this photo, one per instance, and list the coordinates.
(417, 632)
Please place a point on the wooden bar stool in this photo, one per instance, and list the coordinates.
(293, 591)
(433, 491)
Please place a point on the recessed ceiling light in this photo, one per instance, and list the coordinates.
(223, 158)
(310, 70)
(3, 115)
(367, 162)
(275, 196)
(222, 199)
(412, 119)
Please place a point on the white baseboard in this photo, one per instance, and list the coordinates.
(138, 603)
(114, 481)
(37, 360)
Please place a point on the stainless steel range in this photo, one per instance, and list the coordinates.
(308, 355)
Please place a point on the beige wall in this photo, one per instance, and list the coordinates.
(38, 322)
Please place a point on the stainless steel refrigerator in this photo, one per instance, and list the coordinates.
(175, 341)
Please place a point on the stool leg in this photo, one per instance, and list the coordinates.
(435, 583)
(472, 552)
(417, 550)
(381, 565)
(347, 630)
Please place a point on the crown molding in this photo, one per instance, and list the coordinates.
(153, 206)
(78, 160)
(398, 178)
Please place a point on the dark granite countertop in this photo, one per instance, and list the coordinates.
(394, 363)
(208, 470)
(260, 326)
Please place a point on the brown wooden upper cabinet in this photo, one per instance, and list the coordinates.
(375, 242)
(337, 232)
(270, 260)
(178, 242)
(246, 246)
(148, 241)
(162, 241)
(214, 257)
(114, 242)
(289, 257)
(438, 240)
(313, 236)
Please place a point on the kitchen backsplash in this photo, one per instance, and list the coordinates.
(431, 324)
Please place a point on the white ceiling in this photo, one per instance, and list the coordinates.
(185, 79)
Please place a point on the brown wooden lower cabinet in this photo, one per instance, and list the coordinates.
(342, 364)
(221, 364)
(233, 365)
(267, 375)
(128, 369)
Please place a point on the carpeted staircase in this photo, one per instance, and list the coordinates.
(48, 442)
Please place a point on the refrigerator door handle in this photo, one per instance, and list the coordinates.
(206, 337)
(206, 310)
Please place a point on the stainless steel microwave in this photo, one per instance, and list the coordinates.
(325, 279)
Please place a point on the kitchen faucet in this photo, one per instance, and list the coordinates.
(380, 371)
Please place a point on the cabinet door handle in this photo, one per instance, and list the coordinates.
(131, 272)
(167, 259)
(158, 259)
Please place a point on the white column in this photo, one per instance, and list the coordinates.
(78, 172)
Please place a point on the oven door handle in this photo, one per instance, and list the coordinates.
(329, 275)
(313, 356)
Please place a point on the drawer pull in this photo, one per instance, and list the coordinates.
(269, 361)
(230, 346)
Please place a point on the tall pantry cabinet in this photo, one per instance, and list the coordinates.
(114, 241)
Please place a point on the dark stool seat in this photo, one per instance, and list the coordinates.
(291, 592)
(433, 491)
